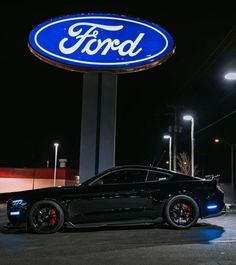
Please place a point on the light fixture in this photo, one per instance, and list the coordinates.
(55, 164)
(230, 76)
(168, 137)
(187, 117)
(190, 118)
(15, 213)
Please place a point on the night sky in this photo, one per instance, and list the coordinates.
(41, 104)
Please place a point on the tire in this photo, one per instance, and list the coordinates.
(181, 212)
(45, 217)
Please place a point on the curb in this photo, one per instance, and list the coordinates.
(230, 208)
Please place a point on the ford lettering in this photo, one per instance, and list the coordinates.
(101, 42)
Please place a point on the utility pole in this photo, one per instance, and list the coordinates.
(174, 139)
(174, 129)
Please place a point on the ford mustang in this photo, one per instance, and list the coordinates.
(124, 195)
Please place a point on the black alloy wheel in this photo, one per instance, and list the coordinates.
(45, 217)
(181, 212)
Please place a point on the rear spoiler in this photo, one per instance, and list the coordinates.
(212, 177)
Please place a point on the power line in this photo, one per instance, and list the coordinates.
(223, 44)
(215, 122)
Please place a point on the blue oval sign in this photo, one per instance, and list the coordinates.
(101, 42)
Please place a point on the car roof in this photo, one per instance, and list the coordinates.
(142, 167)
(145, 167)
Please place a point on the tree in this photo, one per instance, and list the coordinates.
(184, 164)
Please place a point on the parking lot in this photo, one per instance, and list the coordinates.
(211, 241)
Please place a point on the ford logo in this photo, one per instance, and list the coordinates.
(101, 42)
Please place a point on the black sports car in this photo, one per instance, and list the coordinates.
(123, 195)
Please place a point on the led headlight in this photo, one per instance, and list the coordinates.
(15, 213)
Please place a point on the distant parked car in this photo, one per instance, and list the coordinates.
(122, 195)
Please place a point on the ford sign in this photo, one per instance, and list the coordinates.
(101, 42)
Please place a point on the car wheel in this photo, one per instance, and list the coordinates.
(181, 212)
(45, 217)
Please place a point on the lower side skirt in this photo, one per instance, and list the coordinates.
(116, 223)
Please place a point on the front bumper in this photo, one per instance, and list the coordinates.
(17, 213)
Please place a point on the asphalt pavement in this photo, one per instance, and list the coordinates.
(210, 242)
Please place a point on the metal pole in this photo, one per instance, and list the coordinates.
(170, 154)
(55, 165)
(174, 139)
(232, 170)
(107, 133)
(98, 124)
(192, 146)
(174, 150)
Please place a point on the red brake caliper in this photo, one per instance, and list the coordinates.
(187, 210)
(53, 217)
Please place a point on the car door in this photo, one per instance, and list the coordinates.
(115, 196)
(156, 190)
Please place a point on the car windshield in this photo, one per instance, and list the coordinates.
(92, 179)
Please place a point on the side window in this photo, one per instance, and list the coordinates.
(157, 176)
(124, 176)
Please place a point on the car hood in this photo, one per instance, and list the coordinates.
(4, 197)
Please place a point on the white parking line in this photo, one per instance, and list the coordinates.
(225, 241)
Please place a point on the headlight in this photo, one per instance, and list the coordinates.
(15, 207)
(15, 213)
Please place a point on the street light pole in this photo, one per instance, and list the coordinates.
(231, 76)
(232, 170)
(232, 163)
(192, 145)
(170, 148)
(55, 164)
(190, 118)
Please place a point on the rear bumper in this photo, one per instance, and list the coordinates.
(215, 214)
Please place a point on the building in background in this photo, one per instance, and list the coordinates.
(19, 179)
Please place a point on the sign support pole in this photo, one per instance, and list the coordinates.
(98, 123)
